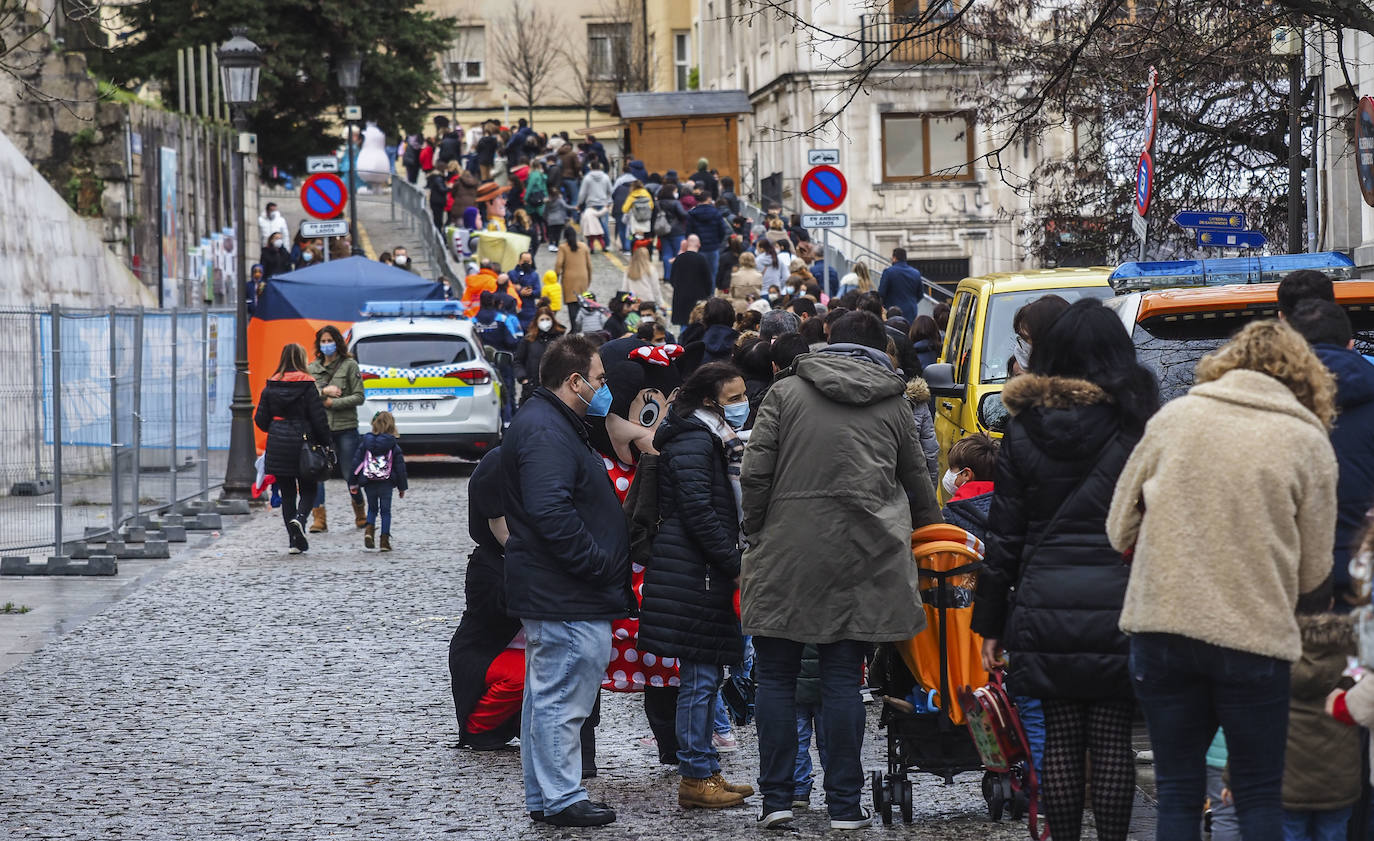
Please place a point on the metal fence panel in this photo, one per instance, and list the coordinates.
(114, 413)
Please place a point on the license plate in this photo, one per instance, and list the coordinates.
(394, 406)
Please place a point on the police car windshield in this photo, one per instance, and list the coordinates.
(1172, 348)
(412, 350)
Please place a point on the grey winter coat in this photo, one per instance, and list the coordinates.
(918, 395)
(833, 482)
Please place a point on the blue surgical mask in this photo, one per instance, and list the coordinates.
(600, 404)
(736, 414)
(328, 348)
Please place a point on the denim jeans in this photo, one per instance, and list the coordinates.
(803, 775)
(1313, 825)
(723, 723)
(345, 445)
(1224, 824)
(696, 706)
(840, 723)
(564, 663)
(379, 501)
(1187, 688)
(570, 188)
(1033, 722)
(668, 248)
(713, 262)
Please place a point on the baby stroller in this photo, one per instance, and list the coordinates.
(931, 734)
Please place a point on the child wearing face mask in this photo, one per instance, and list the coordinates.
(967, 485)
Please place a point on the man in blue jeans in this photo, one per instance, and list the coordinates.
(837, 435)
(567, 574)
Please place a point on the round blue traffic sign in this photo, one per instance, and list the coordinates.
(1144, 183)
(324, 195)
(824, 188)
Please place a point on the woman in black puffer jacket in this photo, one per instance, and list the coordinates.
(1075, 419)
(688, 609)
(289, 408)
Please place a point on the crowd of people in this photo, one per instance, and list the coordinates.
(720, 469)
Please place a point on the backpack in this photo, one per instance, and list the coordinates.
(375, 468)
(591, 320)
(642, 210)
(661, 226)
(641, 509)
(450, 148)
(411, 156)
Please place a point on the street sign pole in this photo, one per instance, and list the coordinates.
(326, 249)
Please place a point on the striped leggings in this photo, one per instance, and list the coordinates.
(1075, 731)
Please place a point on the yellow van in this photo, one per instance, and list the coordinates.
(967, 381)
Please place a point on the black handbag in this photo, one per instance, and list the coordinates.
(317, 461)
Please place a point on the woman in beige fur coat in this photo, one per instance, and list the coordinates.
(1228, 505)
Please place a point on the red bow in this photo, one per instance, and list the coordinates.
(657, 355)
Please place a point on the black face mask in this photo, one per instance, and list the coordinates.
(526, 266)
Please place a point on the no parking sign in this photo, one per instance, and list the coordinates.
(324, 195)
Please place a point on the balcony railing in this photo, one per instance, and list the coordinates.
(911, 40)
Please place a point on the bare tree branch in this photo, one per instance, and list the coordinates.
(526, 48)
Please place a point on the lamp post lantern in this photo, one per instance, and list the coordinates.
(240, 62)
(350, 71)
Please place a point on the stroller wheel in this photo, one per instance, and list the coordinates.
(992, 793)
(1020, 805)
(880, 801)
(904, 798)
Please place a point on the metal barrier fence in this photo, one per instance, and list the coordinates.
(112, 414)
(418, 217)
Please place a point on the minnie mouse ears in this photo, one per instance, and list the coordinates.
(663, 356)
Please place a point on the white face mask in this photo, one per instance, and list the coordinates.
(1022, 353)
(948, 481)
(545, 324)
(276, 242)
(401, 259)
(307, 256)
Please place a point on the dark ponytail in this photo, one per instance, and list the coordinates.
(705, 384)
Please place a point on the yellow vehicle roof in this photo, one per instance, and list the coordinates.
(1033, 279)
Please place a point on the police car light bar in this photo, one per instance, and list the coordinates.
(411, 309)
(1174, 274)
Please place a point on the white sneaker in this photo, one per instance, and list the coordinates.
(858, 823)
(553, 247)
(775, 820)
(724, 743)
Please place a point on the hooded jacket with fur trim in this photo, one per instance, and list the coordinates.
(1053, 595)
(918, 395)
(1230, 503)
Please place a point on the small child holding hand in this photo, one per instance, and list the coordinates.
(378, 467)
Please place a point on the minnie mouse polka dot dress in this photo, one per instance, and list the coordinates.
(631, 670)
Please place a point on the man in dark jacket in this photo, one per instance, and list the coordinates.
(567, 574)
(1327, 328)
(692, 280)
(901, 285)
(710, 228)
(835, 435)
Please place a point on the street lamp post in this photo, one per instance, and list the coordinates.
(240, 61)
(455, 69)
(350, 71)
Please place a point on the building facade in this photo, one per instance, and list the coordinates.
(910, 146)
(587, 52)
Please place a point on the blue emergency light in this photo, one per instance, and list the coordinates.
(1173, 274)
(413, 309)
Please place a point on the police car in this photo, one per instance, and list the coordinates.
(1179, 310)
(424, 362)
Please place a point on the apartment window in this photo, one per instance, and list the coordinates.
(928, 147)
(466, 61)
(682, 59)
(607, 48)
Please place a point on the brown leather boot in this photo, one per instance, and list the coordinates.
(740, 789)
(319, 524)
(386, 542)
(705, 794)
(359, 513)
(368, 535)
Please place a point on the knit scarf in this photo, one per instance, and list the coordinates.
(734, 442)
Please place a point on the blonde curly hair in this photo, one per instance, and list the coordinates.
(1273, 348)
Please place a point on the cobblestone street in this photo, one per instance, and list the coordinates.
(247, 693)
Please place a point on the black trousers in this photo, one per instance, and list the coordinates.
(291, 489)
(660, 708)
